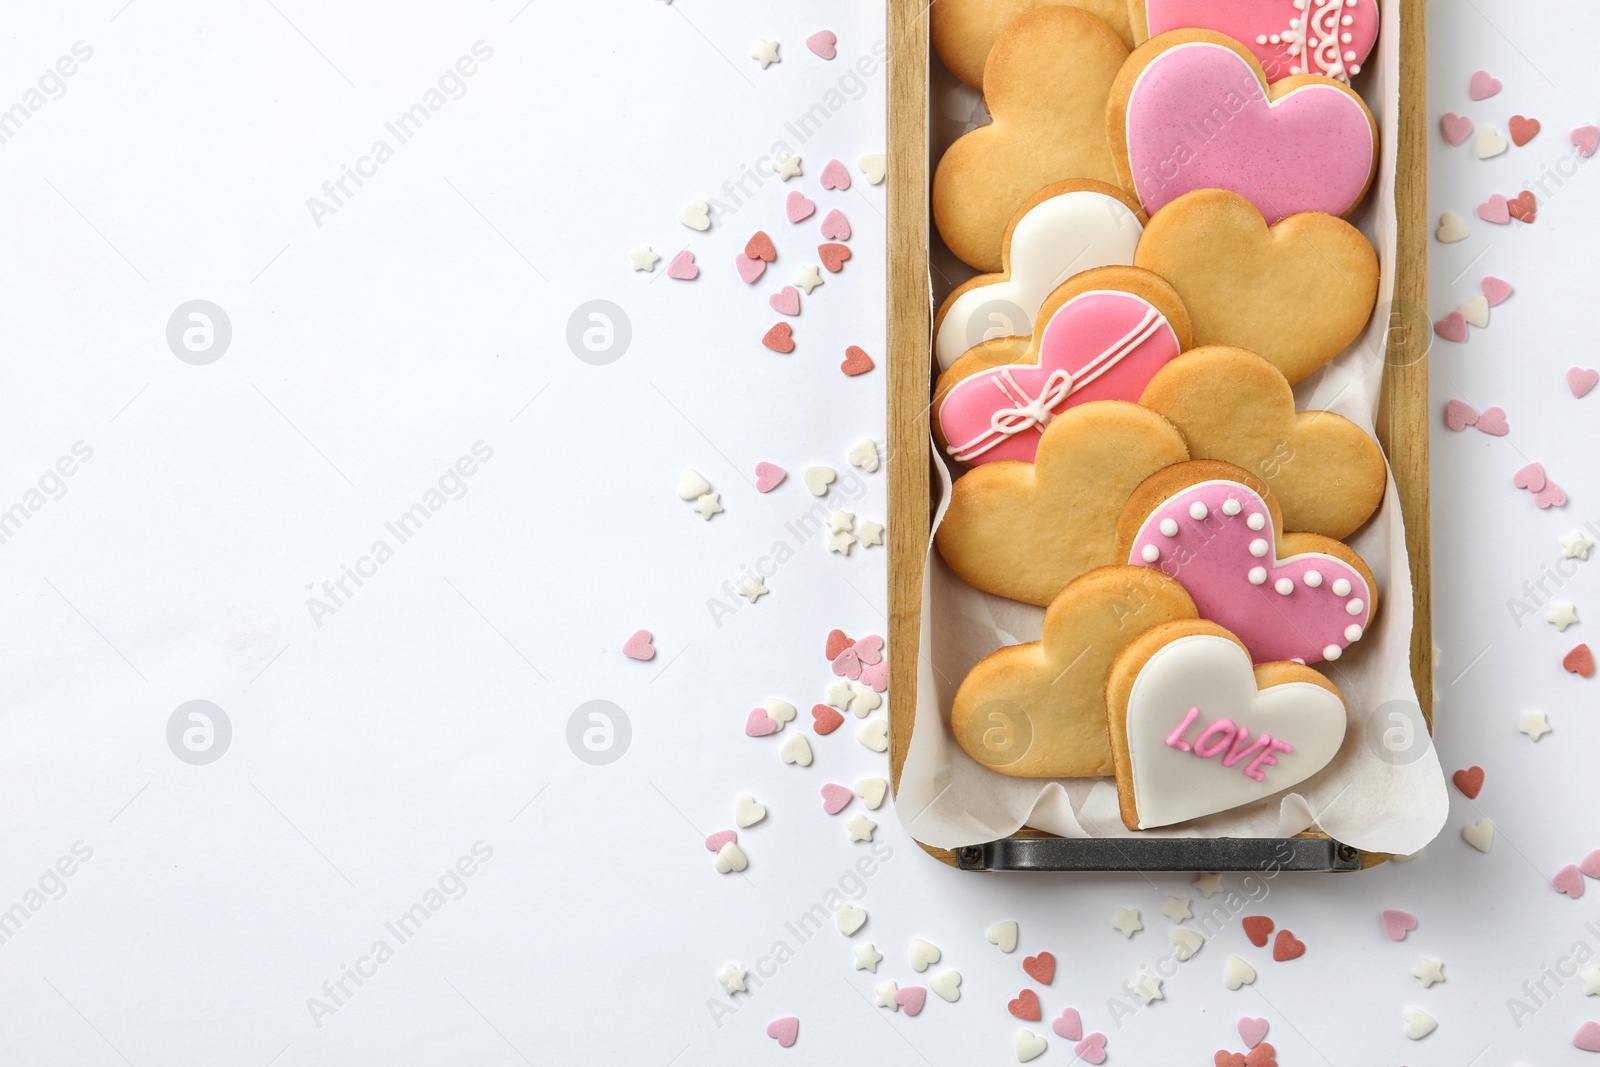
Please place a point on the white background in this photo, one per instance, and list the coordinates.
(430, 711)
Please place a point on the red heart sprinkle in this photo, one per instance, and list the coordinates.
(1580, 661)
(1523, 207)
(780, 338)
(1042, 968)
(1026, 1006)
(856, 361)
(824, 720)
(1287, 947)
(833, 256)
(1469, 781)
(1523, 130)
(1257, 928)
(760, 247)
(837, 643)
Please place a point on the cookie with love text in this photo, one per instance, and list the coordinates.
(1288, 37)
(1296, 293)
(1024, 530)
(1064, 228)
(1038, 710)
(1326, 473)
(964, 31)
(1192, 109)
(1101, 335)
(1218, 529)
(1195, 729)
(1046, 86)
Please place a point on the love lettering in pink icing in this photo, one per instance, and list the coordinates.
(1230, 741)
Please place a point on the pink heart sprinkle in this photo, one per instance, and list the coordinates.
(799, 207)
(1456, 128)
(1458, 415)
(1551, 496)
(1397, 924)
(1582, 379)
(911, 999)
(1587, 1038)
(834, 176)
(1092, 1049)
(1531, 478)
(749, 269)
(1453, 327)
(683, 267)
(786, 301)
(1568, 882)
(640, 646)
(1069, 1025)
(876, 677)
(1495, 210)
(1492, 421)
(1586, 139)
(1590, 867)
(835, 227)
(715, 841)
(835, 798)
(824, 43)
(1482, 86)
(784, 1031)
(769, 476)
(760, 724)
(847, 664)
(1494, 290)
(869, 649)
(1253, 1031)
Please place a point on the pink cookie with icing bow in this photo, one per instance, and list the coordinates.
(1217, 529)
(1101, 335)
(1192, 109)
(1333, 39)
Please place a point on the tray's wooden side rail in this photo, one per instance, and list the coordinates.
(910, 330)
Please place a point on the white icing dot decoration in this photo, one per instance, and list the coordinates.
(1332, 652)
(1198, 512)
(1169, 527)
(1341, 587)
(1257, 521)
(1258, 547)
(1352, 632)
(1284, 586)
(1231, 507)
(1257, 575)
(1261, 38)
(1312, 578)
(1150, 553)
(1355, 606)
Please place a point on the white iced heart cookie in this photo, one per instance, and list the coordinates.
(1066, 228)
(1195, 731)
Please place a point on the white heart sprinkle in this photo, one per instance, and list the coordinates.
(730, 857)
(849, 918)
(696, 215)
(779, 711)
(924, 954)
(947, 985)
(1480, 834)
(747, 811)
(1451, 228)
(1476, 311)
(1419, 1024)
(872, 791)
(691, 486)
(1236, 972)
(874, 167)
(875, 735)
(1185, 943)
(1489, 143)
(796, 750)
(864, 455)
(1003, 934)
(864, 700)
(818, 479)
(1030, 1046)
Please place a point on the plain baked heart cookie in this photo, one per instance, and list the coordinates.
(1046, 85)
(1102, 335)
(1195, 730)
(1064, 228)
(1038, 710)
(1217, 529)
(1326, 473)
(1024, 530)
(964, 31)
(1333, 38)
(1296, 293)
(1192, 109)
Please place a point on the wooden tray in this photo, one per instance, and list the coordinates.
(1403, 408)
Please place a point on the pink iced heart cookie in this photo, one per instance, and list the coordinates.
(1195, 115)
(1456, 128)
(784, 1031)
(834, 176)
(835, 798)
(1068, 1025)
(785, 301)
(1568, 882)
(1100, 345)
(769, 476)
(683, 267)
(1333, 38)
(911, 999)
(823, 43)
(1581, 380)
(1220, 538)
(715, 841)
(1091, 1049)
(835, 227)
(1398, 923)
(798, 208)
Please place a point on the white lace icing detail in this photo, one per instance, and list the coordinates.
(1324, 27)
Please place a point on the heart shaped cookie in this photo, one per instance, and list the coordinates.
(1038, 710)
(1046, 85)
(1333, 38)
(1195, 730)
(1217, 529)
(1229, 404)
(1023, 531)
(1192, 109)
(1296, 293)
(1102, 335)
(1064, 228)
(964, 31)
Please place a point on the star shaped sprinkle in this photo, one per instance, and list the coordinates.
(867, 957)
(869, 533)
(1576, 546)
(861, 828)
(644, 258)
(1209, 885)
(886, 992)
(841, 522)
(787, 167)
(732, 978)
(841, 542)
(1177, 909)
(1127, 921)
(1148, 988)
(766, 53)
(1591, 982)
(709, 504)
(839, 693)
(1534, 724)
(1431, 971)
(808, 278)
(752, 588)
(1561, 614)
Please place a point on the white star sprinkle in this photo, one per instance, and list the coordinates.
(644, 258)
(752, 588)
(841, 542)
(1208, 885)
(708, 505)
(886, 992)
(841, 522)
(839, 693)
(808, 278)
(1177, 909)
(1576, 546)
(1561, 614)
(787, 167)
(732, 978)
(1431, 971)
(867, 957)
(766, 53)
(1534, 724)
(1148, 988)
(869, 533)
(1127, 921)
(861, 828)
